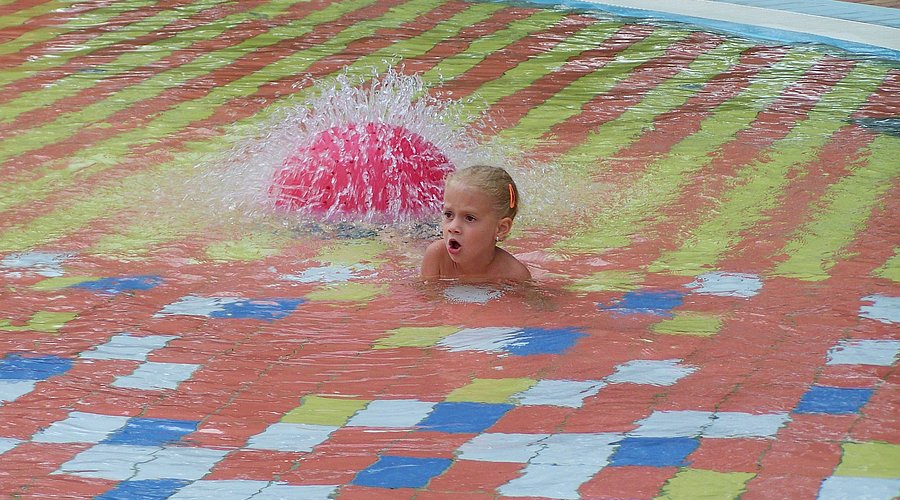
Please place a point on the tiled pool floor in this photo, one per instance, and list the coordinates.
(723, 324)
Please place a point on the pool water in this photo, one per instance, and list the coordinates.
(711, 222)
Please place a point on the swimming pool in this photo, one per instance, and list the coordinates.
(710, 219)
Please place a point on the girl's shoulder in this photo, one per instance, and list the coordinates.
(511, 268)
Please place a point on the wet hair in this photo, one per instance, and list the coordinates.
(493, 181)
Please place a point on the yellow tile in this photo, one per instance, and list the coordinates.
(490, 390)
(320, 410)
(425, 336)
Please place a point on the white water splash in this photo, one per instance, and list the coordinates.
(236, 185)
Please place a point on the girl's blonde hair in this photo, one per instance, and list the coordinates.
(493, 181)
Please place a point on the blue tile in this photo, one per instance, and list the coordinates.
(119, 285)
(656, 302)
(531, 341)
(463, 417)
(654, 451)
(18, 367)
(151, 431)
(401, 472)
(833, 400)
(150, 489)
(265, 309)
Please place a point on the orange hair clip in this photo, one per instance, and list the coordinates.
(512, 196)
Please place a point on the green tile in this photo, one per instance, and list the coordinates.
(608, 281)
(870, 460)
(690, 323)
(490, 390)
(425, 336)
(320, 410)
(41, 321)
(348, 292)
(693, 484)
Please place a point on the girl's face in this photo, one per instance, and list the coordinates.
(470, 225)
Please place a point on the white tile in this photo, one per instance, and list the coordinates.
(128, 347)
(280, 491)
(727, 284)
(193, 305)
(498, 447)
(566, 393)
(108, 461)
(179, 463)
(653, 372)
(233, 489)
(745, 425)
(471, 294)
(480, 339)
(10, 390)
(47, 264)
(290, 437)
(7, 444)
(153, 376)
(81, 427)
(883, 308)
(549, 481)
(392, 413)
(673, 424)
(864, 352)
(859, 488)
(578, 449)
(328, 274)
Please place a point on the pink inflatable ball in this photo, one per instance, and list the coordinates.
(375, 170)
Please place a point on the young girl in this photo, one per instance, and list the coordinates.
(480, 204)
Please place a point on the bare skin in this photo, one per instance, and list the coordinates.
(468, 249)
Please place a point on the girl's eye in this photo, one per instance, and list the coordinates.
(448, 215)
(470, 218)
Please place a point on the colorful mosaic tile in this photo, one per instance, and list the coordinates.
(727, 284)
(654, 302)
(883, 308)
(833, 400)
(47, 264)
(231, 307)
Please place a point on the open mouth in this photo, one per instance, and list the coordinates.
(453, 245)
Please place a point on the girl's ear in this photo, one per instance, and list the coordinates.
(504, 226)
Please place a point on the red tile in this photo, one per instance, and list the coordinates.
(729, 455)
(258, 465)
(21, 422)
(118, 401)
(788, 458)
(533, 419)
(627, 482)
(697, 391)
(361, 441)
(815, 427)
(430, 495)
(189, 403)
(66, 486)
(852, 376)
(328, 468)
(426, 445)
(226, 431)
(878, 419)
(776, 486)
(35, 460)
(614, 409)
(775, 396)
(475, 476)
(353, 492)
